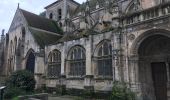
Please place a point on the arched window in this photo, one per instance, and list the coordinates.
(18, 49)
(11, 48)
(23, 34)
(30, 64)
(104, 59)
(51, 16)
(54, 64)
(59, 14)
(77, 60)
(131, 8)
(15, 44)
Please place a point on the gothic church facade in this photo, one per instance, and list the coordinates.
(91, 45)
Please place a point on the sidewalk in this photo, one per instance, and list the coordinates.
(61, 98)
(69, 98)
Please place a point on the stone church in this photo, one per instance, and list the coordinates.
(91, 45)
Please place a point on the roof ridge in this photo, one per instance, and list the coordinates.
(36, 14)
(40, 22)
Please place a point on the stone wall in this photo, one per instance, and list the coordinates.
(42, 96)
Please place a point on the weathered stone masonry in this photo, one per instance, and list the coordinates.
(89, 46)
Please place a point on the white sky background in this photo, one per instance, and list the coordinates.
(8, 8)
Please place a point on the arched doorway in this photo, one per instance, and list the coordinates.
(153, 66)
(30, 64)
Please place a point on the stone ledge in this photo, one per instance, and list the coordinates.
(89, 76)
(43, 96)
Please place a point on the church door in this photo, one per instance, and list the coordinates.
(30, 63)
(159, 75)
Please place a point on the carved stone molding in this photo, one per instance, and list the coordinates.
(131, 37)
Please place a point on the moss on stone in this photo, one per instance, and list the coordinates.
(44, 38)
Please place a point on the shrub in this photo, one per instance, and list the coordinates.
(22, 79)
(121, 92)
(13, 92)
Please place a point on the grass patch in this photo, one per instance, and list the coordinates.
(16, 98)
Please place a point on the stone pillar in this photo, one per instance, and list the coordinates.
(134, 69)
(135, 84)
(116, 57)
(63, 55)
(160, 11)
(141, 17)
(88, 81)
(39, 69)
(125, 57)
(88, 57)
(63, 70)
(63, 84)
(126, 69)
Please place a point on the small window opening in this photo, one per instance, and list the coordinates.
(59, 14)
(51, 16)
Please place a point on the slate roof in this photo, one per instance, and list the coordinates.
(39, 22)
(44, 38)
(44, 31)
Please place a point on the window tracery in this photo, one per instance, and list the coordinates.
(104, 59)
(54, 64)
(77, 60)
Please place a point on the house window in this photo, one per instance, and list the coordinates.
(54, 64)
(51, 16)
(77, 60)
(59, 14)
(104, 59)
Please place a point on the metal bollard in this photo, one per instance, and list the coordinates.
(2, 92)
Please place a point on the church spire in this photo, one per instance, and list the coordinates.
(18, 5)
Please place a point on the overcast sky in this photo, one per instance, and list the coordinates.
(8, 8)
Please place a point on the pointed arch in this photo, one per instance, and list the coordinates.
(30, 61)
(11, 47)
(143, 36)
(23, 33)
(76, 61)
(54, 64)
(18, 50)
(133, 5)
(103, 57)
(18, 55)
(15, 44)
